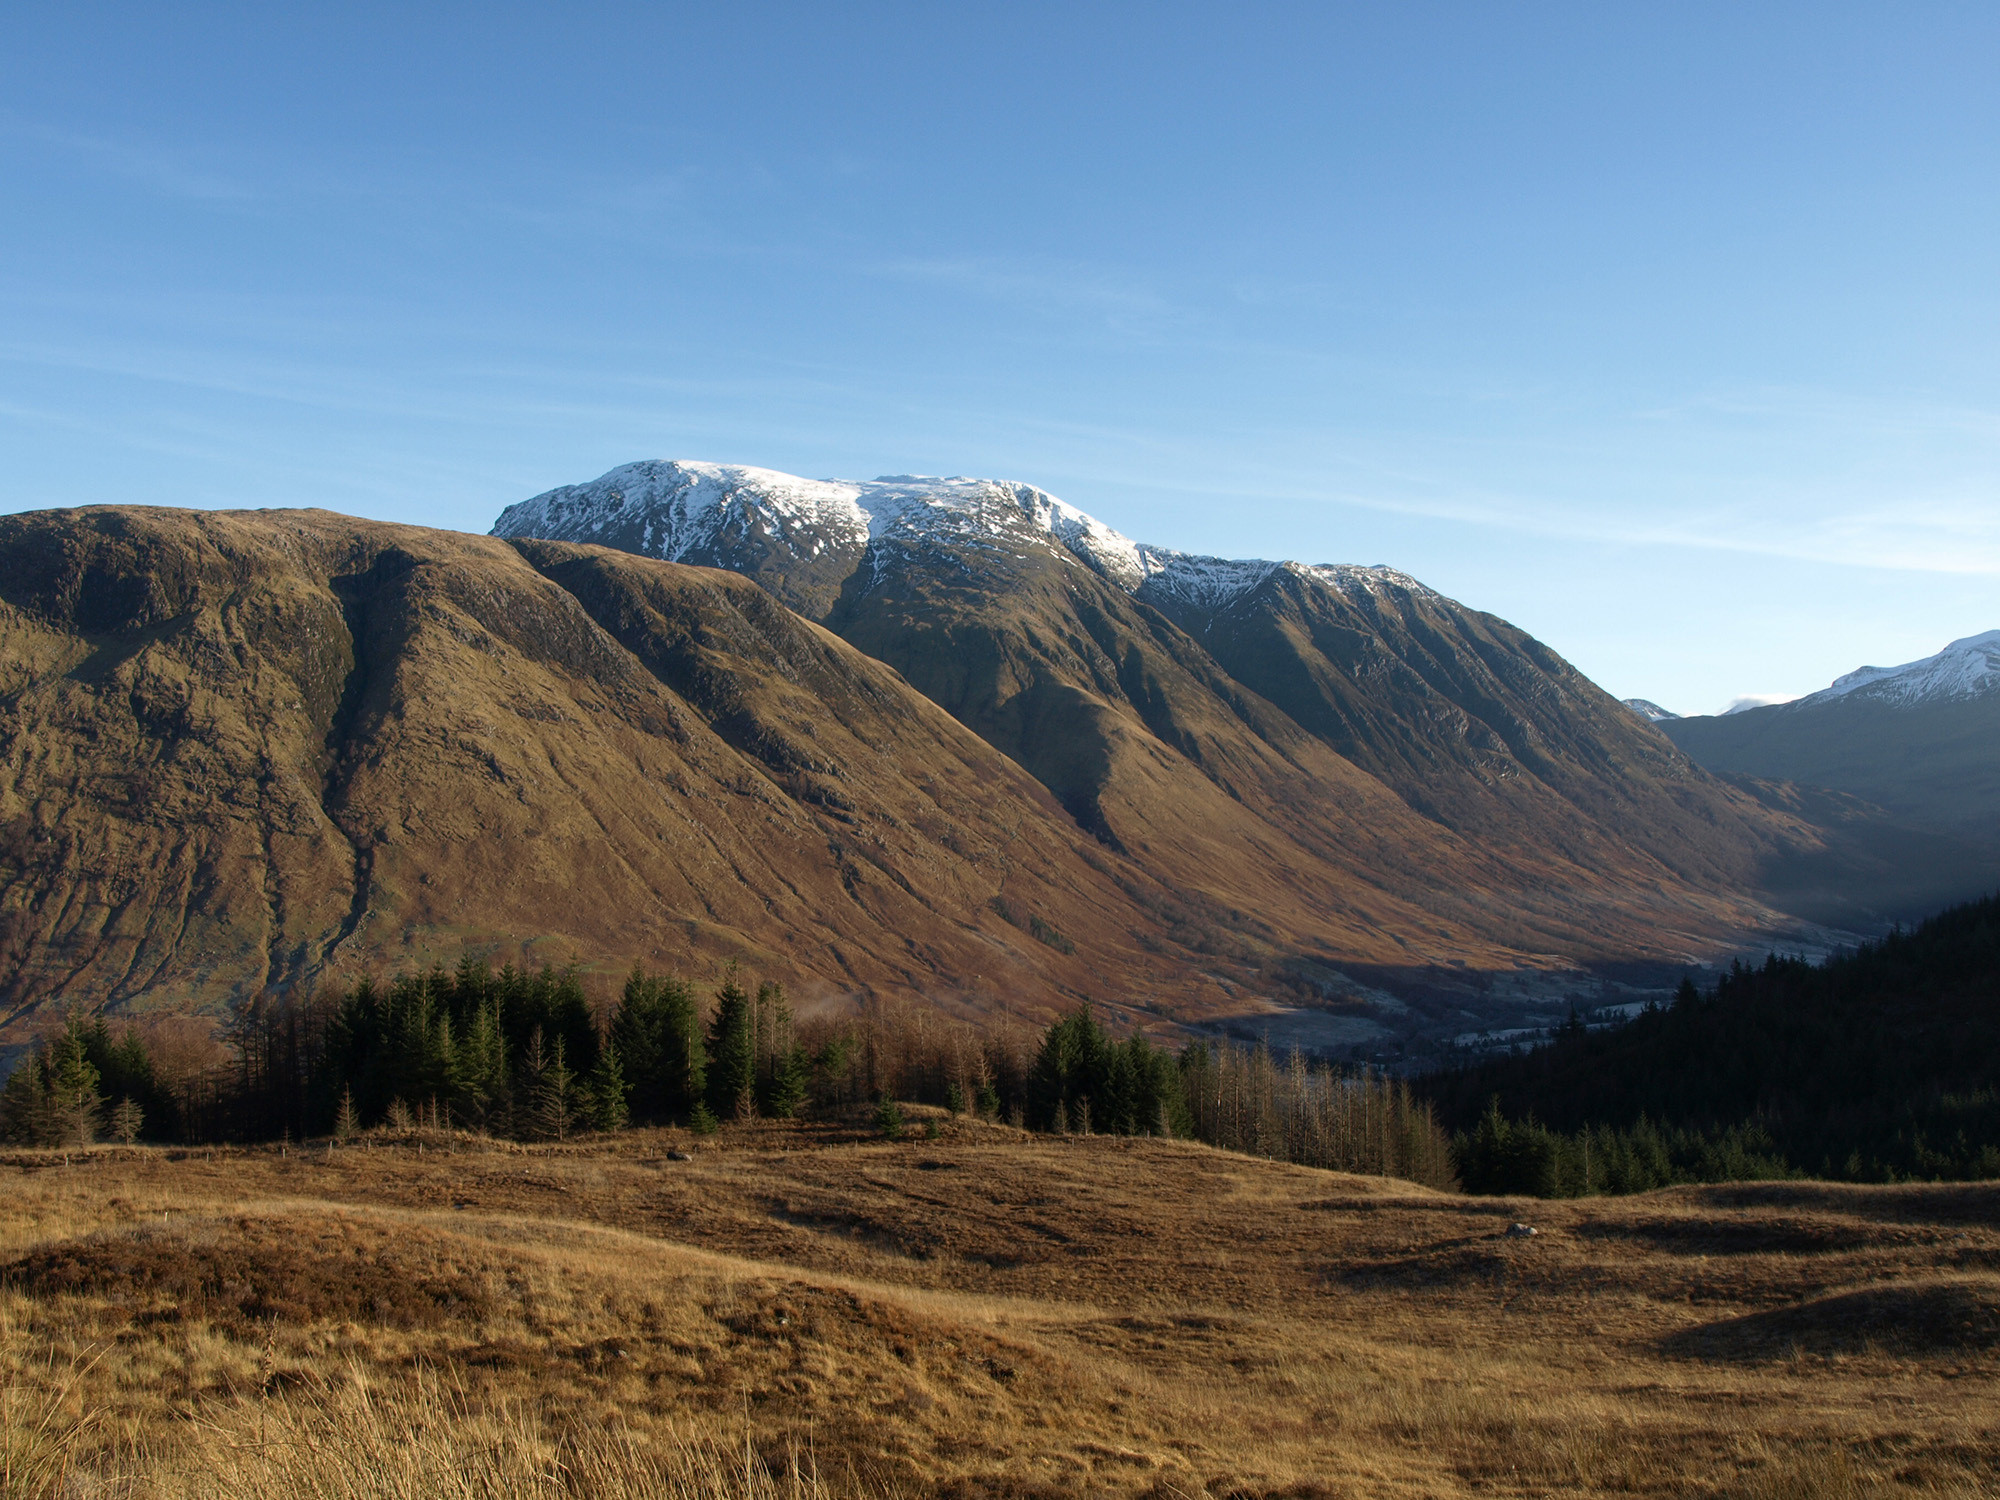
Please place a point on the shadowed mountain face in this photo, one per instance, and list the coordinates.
(1474, 724)
(1931, 761)
(1915, 741)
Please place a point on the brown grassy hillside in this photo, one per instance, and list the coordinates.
(1226, 752)
(982, 1314)
(248, 749)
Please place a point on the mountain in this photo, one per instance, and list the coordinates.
(1650, 711)
(255, 750)
(1916, 739)
(1281, 743)
(947, 737)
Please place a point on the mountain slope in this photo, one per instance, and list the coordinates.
(1472, 722)
(1916, 739)
(241, 750)
(1271, 738)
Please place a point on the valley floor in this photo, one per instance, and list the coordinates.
(982, 1314)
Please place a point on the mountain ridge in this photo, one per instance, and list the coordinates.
(680, 510)
(1118, 672)
(1914, 739)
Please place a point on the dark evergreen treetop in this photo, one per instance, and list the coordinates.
(1884, 1061)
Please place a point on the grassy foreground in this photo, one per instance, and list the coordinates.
(798, 1312)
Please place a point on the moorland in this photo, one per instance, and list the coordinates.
(792, 1308)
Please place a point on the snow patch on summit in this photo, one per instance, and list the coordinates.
(1206, 581)
(1214, 581)
(923, 505)
(673, 508)
(678, 506)
(1966, 667)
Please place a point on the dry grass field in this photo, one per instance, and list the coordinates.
(796, 1312)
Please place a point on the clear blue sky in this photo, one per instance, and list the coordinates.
(1671, 333)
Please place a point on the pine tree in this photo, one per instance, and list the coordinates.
(74, 1104)
(346, 1123)
(528, 1086)
(127, 1120)
(605, 1091)
(889, 1118)
(783, 1067)
(127, 1069)
(554, 1099)
(789, 1084)
(24, 1101)
(482, 1068)
(1073, 1067)
(657, 1031)
(732, 1052)
(833, 1069)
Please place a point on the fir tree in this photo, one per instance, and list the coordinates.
(553, 1100)
(783, 1067)
(73, 1102)
(127, 1120)
(832, 1068)
(346, 1123)
(732, 1052)
(24, 1101)
(1073, 1067)
(604, 1091)
(126, 1068)
(482, 1094)
(889, 1118)
(789, 1083)
(657, 1031)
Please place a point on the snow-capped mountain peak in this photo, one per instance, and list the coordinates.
(1647, 709)
(1966, 667)
(677, 505)
(683, 510)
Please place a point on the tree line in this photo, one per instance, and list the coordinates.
(1875, 1065)
(523, 1055)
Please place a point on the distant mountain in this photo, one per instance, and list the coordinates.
(1650, 711)
(1283, 743)
(1918, 739)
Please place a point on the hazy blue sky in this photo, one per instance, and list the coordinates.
(1671, 333)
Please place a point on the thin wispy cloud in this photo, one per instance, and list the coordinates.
(156, 168)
